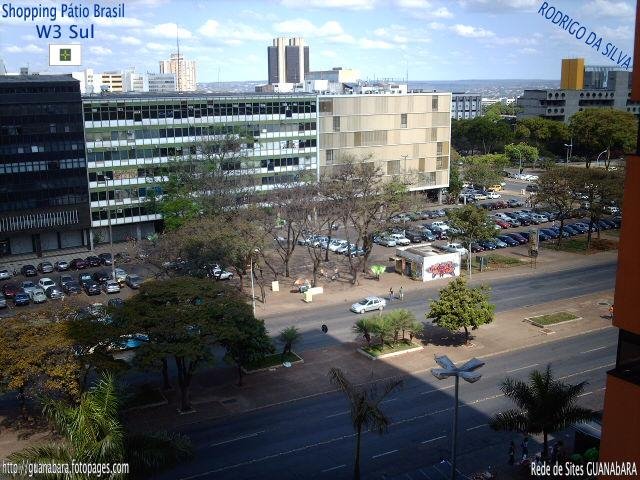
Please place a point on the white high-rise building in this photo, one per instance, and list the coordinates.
(135, 82)
(185, 71)
(161, 82)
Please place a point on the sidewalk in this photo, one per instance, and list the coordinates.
(215, 393)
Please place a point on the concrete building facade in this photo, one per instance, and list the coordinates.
(465, 105)
(184, 70)
(406, 135)
(287, 60)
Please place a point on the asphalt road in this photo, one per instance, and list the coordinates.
(516, 291)
(313, 437)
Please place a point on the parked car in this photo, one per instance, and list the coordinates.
(64, 279)
(29, 271)
(439, 226)
(571, 229)
(550, 233)
(5, 274)
(493, 195)
(91, 287)
(336, 244)
(508, 240)
(476, 247)
(400, 239)
(45, 267)
(428, 235)
(538, 218)
(62, 265)
(415, 237)
(495, 188)
(219, 274)
(79, 264)
(115, 303)
(93, 261)
(532, 188)
(72, 287)
(27, 286)
(368, 304)
(21, 299)
(609, 222)
(488, 244)
(111, 286)
(54, 293)
(121, 276)
(385, 241)
(85, 278)
(499, 243)
(515, 203)
(46, 282)
(518, 238)
(10, 290)
(543, 237)
(101, 276)
(455, 247)
(105, 258)
(503, 223)
(133, 281)
(3, 301)
(38, 296)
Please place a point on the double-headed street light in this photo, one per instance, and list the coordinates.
(469, 374)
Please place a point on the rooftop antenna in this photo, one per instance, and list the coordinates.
(178, 47)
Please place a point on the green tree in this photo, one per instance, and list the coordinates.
(378, 270)
(365, 326)
(402, 320)
(521, 154)
(455, 182)
(544, 405)
(470, 224)
(499, 108)
(597, 130)
(289, 337)
(384, 328)
(485, 170)
(557, 189)
(184, 318)
(549, 136)
(461, 306)
(366, 413)
(93, 433)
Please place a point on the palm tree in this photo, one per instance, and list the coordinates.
(544, 405)
(289, 336)
(383, 327)
(402, 320)
(92, 432)
(365, 408)
(364, 327)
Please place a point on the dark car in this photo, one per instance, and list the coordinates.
(54, 292)
(549, 233)
(579, 227)
(93, 261)
(532, 188)
(476, 247)
(543, 237)
(91, 288)
(84, 278)
(105, 258)
(617, 221)
(508, 240)
(101, 276)
(71, 288)
(10, 290)
(571, 229)
(21, 299)
(609, 222)
(45, 267)
(79, 264)
(518, 238)
(513, 203)
(428, 235)
(415, 237)
(602, 226)
(134, 281)
(29, 271)
(524, 234)
(488, 244)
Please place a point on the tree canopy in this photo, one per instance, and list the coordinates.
(521, 154)
(485, 170)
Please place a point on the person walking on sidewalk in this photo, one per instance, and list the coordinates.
(611, 312)
(390, 294)
(401, 294)
(525, 448)
(512, 453)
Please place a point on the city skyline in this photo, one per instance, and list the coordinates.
(431, 40)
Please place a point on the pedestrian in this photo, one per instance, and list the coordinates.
(554, 453)
(390, 294)
(611, 311)
(525, 448)
(401, 293)
(512, 453)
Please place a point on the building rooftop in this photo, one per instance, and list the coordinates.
(201, 94)
(34, 77)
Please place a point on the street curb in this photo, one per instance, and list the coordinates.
(539, 325)
(266, 369)
(390, 354)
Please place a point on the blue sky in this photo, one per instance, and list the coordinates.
(434, 39)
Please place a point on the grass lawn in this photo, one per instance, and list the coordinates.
(553, 318)
(377, 350)
(273, 361)
(494, 261)
(579, 245)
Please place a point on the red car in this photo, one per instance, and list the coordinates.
(79, 264)
(502, 224)
(10, 290)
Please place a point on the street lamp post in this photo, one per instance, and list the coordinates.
(599, 155)
(253, 293)
(569, 146)
(468, 373)
(113, 258)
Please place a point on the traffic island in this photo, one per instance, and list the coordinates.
(579, 245)
(275, 360)
(557, 318)
(378, 351)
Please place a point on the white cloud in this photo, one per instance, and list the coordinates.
(442, 12)
(499, 6)
(338, 4)
(332, 31)
(436, 26)
(29, 38)
(158, 46)
(98, 50)
(423, 4)
(233, 32)
(31, 48)
(119, 22)
(470, 31)
(328, 54)
(367, 43)
(528, 51)
(130, 40)
(608, 8)
(168, 30)
(623, 32)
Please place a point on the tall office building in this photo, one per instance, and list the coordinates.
(572, 74)
(161, 82)
(288, 60)
(44, 199)
(184, 70)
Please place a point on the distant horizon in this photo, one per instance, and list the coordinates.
(418, 81)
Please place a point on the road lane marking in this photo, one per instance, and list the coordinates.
(433, 439)
(608, 365)
(436, 390)
(522, 368)
(591, 392)
(337, 414)
(477, 426)
(250, 435)
(390, 400)
(385, 453)
(595, 349)
(333, 468)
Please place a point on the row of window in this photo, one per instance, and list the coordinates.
(8, 202)
(38, 128)
(49, 165)
(68, 146)
(133, 211)
(41, 109)
(10, 89)
(184, 109)
(126, 193)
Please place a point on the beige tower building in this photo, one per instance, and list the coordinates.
(184, 70)
(404, 134)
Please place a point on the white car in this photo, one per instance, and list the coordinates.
(439, 225)
(222, 274)
(368, 304)
(37, 295)
(111, 286)
(400, 239)
(479, 196)
(121, 276)
(336, 244)
(455, 247)
(46, 283)
(493, 195)
(5, 275)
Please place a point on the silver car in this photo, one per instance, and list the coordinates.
(54, 293)
(111, 286)
(368, 304)
(37, 295)
(5, 274)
